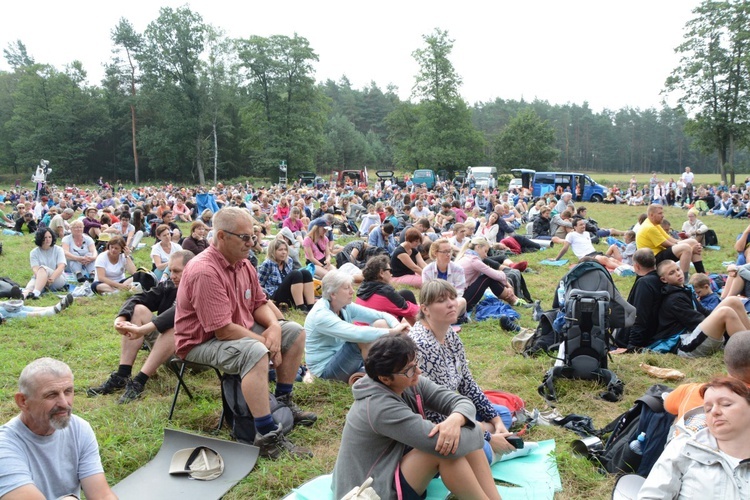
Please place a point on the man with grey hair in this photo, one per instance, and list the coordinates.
(336, 347)
(223, 319)
(46, 451)
(135, 320)
(59, 223)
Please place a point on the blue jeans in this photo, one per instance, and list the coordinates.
(507, 419)
(346, 362)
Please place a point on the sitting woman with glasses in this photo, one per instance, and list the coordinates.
(281, 282)
(377, 293)
(443, 268)
(442, 359)
(161, 251)
(387, 437)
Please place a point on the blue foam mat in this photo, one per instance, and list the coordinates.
(533, 477)
(557, 263)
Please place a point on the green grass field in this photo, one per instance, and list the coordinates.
(131, 435)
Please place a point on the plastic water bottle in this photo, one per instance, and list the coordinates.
(561, 293)
(636, 445)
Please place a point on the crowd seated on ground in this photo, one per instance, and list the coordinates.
(454, 242)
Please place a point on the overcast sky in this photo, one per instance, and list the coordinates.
(611, 53)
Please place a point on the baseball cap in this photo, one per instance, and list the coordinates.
(322, 223)
(200, 463)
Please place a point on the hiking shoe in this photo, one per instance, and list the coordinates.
(133, 391)
(538, 311)
(273, 444)
(16, 293)
(114, 383)
(508, 324)
(306, 418)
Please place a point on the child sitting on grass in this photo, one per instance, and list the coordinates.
(702, 288)
(626, 254)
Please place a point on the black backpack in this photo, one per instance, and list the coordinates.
(545, 337)
(237, 414)
(146, 278)
(585, 345)
(646, 415)
(6, 286)
(710, 238)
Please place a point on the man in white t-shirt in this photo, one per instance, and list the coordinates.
(687, 178)
(580, 241)
(46, 451)
(420, 211)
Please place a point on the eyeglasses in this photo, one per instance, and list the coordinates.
(409, 372)
(244, 237)
(443, 251)
(387, 269)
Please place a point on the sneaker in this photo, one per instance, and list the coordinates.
(273, 444)
(306, 418)
(133, 391)
(16, 293)
(508, 324)
(112, 384)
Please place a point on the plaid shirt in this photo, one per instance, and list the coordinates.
(270, 276)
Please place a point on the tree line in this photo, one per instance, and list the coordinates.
(183, 102)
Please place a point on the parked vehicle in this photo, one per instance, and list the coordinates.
(306, 178)
(342, 178)
(424, 176)
(384, 175)
(581, 185)
(484, 177)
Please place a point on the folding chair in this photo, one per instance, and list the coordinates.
(178, 366)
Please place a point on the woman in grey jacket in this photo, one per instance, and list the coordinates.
(714, 463)
(387, 437)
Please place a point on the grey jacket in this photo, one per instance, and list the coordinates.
(380, 425)
(691, 468)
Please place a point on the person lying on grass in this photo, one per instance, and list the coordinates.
(580, 241)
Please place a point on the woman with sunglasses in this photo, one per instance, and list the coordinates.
(387, 437)
(377, 293)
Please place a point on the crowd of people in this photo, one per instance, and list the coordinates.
(261, 251)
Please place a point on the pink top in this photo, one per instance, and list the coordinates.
(213, 294)
(474, 268)
(293, 226)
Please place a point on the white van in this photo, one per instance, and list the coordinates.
(485, 177)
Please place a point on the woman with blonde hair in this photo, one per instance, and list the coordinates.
(316, 248)
(443, 268)
(281, 282)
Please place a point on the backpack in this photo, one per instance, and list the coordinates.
(237, 414)
(585, 345)
(594, 277)
(6, 286)
(710, 238)
(512, 402)
(146, 278)
(646, 415)
(545, 337)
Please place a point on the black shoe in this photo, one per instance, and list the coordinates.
(273, 444)
(16, 292)
(133, 391)
(80, 277)
(114, 383)
(306, 418)
(509, 325)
